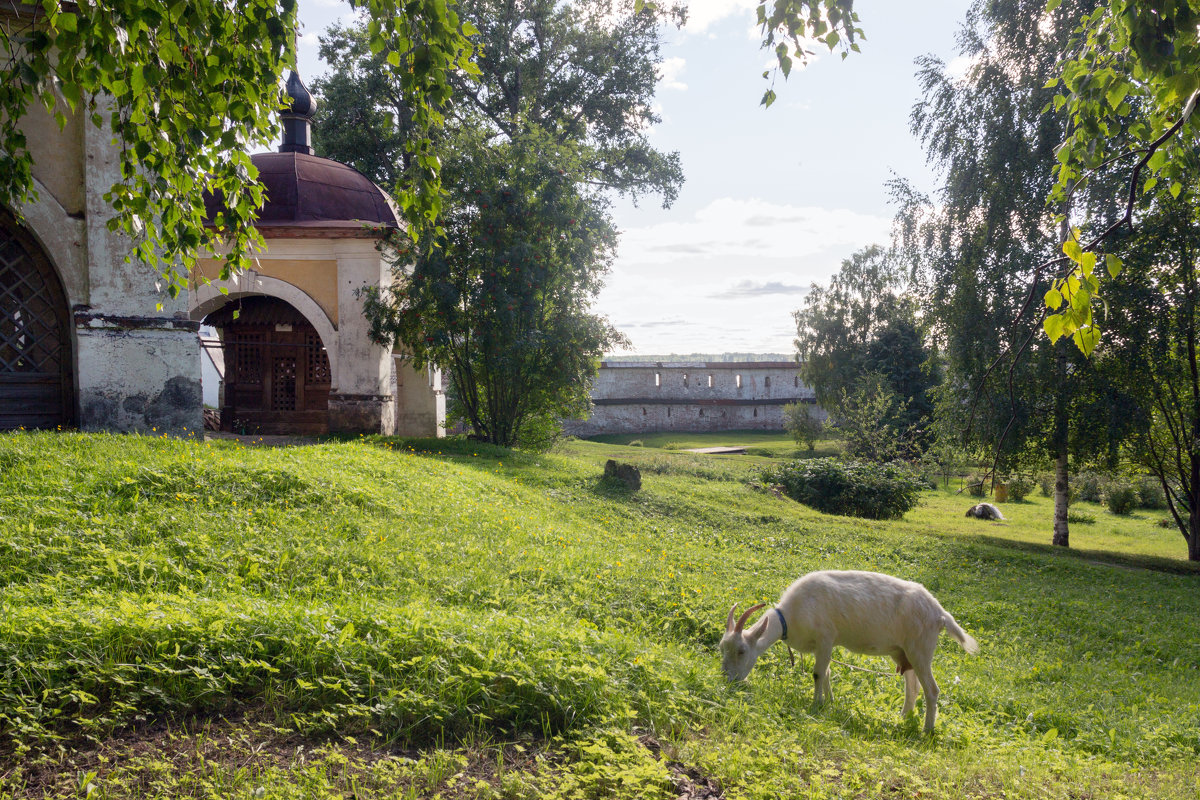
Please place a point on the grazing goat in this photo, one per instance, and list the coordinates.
(865, 612)
(984, 511)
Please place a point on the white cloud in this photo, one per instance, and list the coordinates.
(669, 71)
(729, 276)
(730, 228)
(704, 13)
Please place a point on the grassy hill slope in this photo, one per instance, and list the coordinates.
(386, 619)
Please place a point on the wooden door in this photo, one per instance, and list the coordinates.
(36, 369)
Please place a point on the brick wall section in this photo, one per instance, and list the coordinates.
(636, 397)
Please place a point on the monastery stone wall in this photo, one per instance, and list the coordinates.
(643, 397)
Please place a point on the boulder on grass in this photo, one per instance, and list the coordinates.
(984, 511)
(627, 474)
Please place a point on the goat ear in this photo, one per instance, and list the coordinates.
(745, 616)
(756, 632)
(729, 619)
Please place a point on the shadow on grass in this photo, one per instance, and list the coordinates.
(1106, 558)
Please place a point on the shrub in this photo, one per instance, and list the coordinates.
(1080, 518)
(976, 485)
(637, 443)
(1150, 493)
(851, 488)
(1090, 486)
(1121, 499)
(1046, 484)
(1019, 487)
(800, 420)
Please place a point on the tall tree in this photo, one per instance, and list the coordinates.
(185, 88)
(502, 301)
(975, 249)
(864, 322)
(556, 118)
(1154, 349)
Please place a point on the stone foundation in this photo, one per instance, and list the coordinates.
(362, 413)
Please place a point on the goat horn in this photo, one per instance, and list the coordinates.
(745, 616)
(729, 619)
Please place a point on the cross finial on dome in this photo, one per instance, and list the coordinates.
(297, 120)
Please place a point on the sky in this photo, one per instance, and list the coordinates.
(773, 199)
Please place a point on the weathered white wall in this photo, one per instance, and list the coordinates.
(637, 397)
(420, 402)
(137, 367)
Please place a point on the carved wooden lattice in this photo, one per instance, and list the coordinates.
(317, 360)
(36, 368)
(247, 353)
(31, 338)
(283, 383)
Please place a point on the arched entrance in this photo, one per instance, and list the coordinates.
(277, 375)
(36, 368)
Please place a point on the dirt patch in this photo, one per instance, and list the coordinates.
(690, 782)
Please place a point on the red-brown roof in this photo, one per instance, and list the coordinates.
(310, 196)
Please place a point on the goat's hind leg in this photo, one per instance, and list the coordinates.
(822, 687)
(925, 675)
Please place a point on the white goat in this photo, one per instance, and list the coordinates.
(862, 611)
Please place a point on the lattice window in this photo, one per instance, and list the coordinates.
(317, 360)
(247, 357)
(30, 337)
(283, 383)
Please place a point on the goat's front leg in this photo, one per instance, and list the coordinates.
(910, 692)
(822, 690)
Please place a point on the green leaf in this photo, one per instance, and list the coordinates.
(1072, 250)
(1087, 263)
(1113, 263)
(1086, 340)
(1176, 188)
(1054, 299)
(1053, 325)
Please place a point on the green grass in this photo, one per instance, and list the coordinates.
(380, 618)
(777, 444)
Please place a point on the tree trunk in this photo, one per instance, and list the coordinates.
(1062, 488)
(1194, 539)
(1062, 535)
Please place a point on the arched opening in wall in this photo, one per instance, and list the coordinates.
(276, 368)
(36, 365)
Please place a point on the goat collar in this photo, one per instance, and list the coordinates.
(782, 622)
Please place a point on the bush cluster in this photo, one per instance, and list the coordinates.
(1120, 495)
(850, 488)
(1121, 498)
(1019, 487)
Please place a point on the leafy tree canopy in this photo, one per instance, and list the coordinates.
(582, 72)
(556, 118)
(186, 88)
(502, 302)
(1127, 90)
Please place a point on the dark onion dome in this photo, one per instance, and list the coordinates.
(310, 196)
(303, 103)
(297, 119)
(306, 194)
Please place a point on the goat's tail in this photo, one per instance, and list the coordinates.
(958, 634)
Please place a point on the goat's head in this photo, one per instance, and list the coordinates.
(738, 650)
